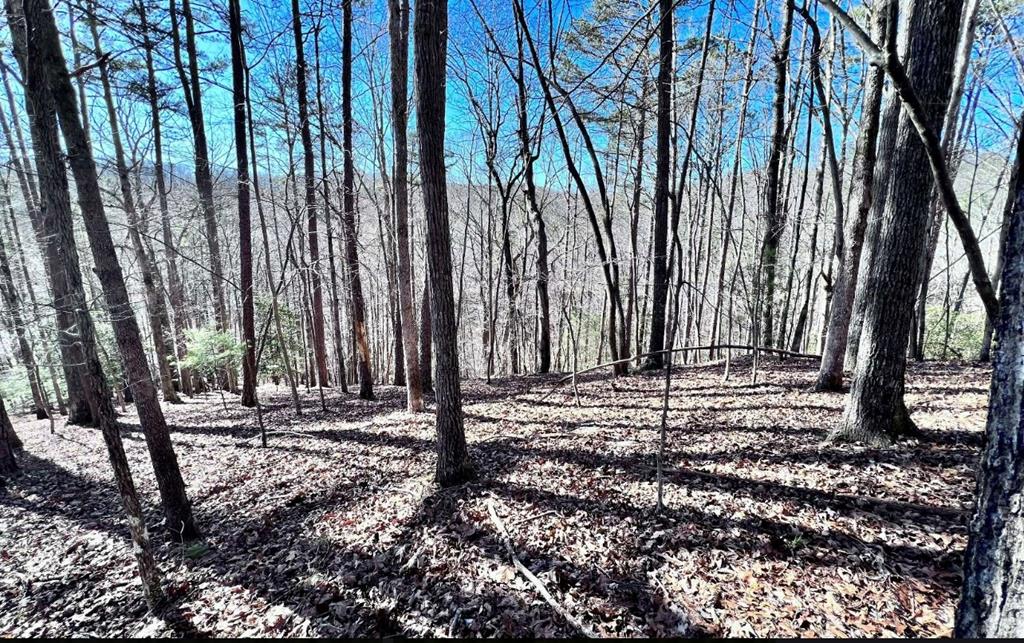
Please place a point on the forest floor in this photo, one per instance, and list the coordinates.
(337, 530)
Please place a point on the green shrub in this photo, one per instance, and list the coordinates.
(211, 352)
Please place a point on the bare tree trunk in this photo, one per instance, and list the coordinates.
(431, 32)
(775, 214)
(833, 355)
(59, 90)
(41, 59)
(316, 288)
(948, 134)
(244, 211)
(875, 411)
(399, 32)
(204, 179)
(663, 152)
(351, 234)
(992, 598)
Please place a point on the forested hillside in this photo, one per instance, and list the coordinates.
(511, 318)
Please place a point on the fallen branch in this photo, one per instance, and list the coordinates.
(742, 347)
(506, 540)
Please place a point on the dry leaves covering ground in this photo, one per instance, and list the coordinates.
(336, 530)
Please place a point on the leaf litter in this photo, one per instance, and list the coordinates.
(337, 529)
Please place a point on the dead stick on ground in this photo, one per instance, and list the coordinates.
(506, 540)
(762, 349)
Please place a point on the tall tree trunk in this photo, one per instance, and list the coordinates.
(529, 158)
(325, 190)
(204, 179)
(176, 289)
(875, 411)
(42, 62)
(833, 357)
(308, 161)
(351, 237)
(663, 162)
(992, 598)
(151, 281)
(46, 41)
(244, 214)
(398, 27)
(431, 34)
(948, 134)
(774, 208)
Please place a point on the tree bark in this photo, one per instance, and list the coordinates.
(775, 213)
(316, 287)
(46, 41)
(875, 411)
(37, 49)
(663, 161)
(351, 234)
(833, 357)
(992, 598)
(431, 33)
(398, 27)
(244, 213)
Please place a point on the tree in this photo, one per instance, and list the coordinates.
(176, 505)
(8, 444)
(42, 65)
(529, 159)
(666, 76)
(176, 289)
(308, 164)
(993, 595)
(398, 28)
(9, 292)
(774, 207)
(830, 373)
(204, 178)
(430, 45)
(151, 279)
(875, 411)
(351, 236)
(244, 216)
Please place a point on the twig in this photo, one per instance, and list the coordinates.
(534, 517)
(712, 347)
(537, 584)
